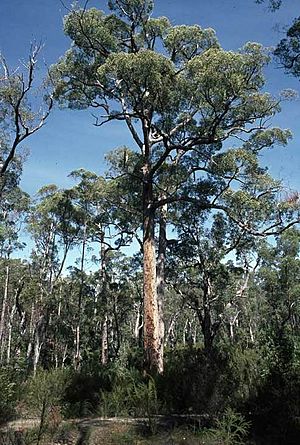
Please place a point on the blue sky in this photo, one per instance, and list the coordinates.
(70, 141)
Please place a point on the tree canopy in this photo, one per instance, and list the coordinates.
(181, 97)
(169, 283)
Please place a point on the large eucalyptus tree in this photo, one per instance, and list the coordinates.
(181, 96)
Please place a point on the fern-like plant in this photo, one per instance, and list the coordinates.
(231, 429)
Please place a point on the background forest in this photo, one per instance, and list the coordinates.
(167, 288)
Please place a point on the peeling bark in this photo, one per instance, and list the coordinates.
(161, 281)
(152, 350)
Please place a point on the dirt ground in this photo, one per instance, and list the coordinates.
(99, 432)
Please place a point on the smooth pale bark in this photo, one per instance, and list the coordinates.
(104, 290)
(13, 311)
(64, 356)
(104, 342)
(138, 326)
(9, 335)
(4, 307)
(251, 333)
(170, 334)
(77, 354)
(116, 330)
(31, 332)
(37, 346)
(185, 332)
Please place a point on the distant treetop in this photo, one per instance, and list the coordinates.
(272, 4)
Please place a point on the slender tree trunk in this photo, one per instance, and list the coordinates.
(31, 333)
(10, 324)
(170, 330)
(77, 355)
(64, 356)
(195, 333)
(37, 349)
(4, 307)
(13, 311)
(116, 324)
(104, 341)
(57, 345)
(207, 325)
(233, 322)
(161, 281)
(185, 332)
(77, 347)
(138, 326)
(252, 339)
(104, 292)
(42, 422)
(207, 329)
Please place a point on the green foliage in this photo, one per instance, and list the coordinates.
(148, 79)
(195, 382)
(9, 394)
(84, 27)
(44, 395)
(277, 401)
(185, 42)
(46, 389)
(16, 437)
(137, 11)
(248, 368)
(288, 49)
(231, 429)
(232, 299)
(82, 394)
(130, 395)
(273, 5)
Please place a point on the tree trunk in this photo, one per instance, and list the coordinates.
(116, 326)
(207, 329)
(152, 349)
(3, 311)
(104, 342)
(77, 355)
(10, 324)
(161, 281)
(37, 348)
(138, 326)
(104, 291)
(31, 333)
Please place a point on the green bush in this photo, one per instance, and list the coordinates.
(44, 395)
(8, 395)
(231, 429)
(82, 395)
(195, 382)
(131, 395)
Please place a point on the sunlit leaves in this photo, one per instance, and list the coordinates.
(185, 42)
(137, 11)
(225, 86)
(91, 31)
(146, 80)
(155, 28)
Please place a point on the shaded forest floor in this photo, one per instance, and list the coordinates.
(108, 431)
